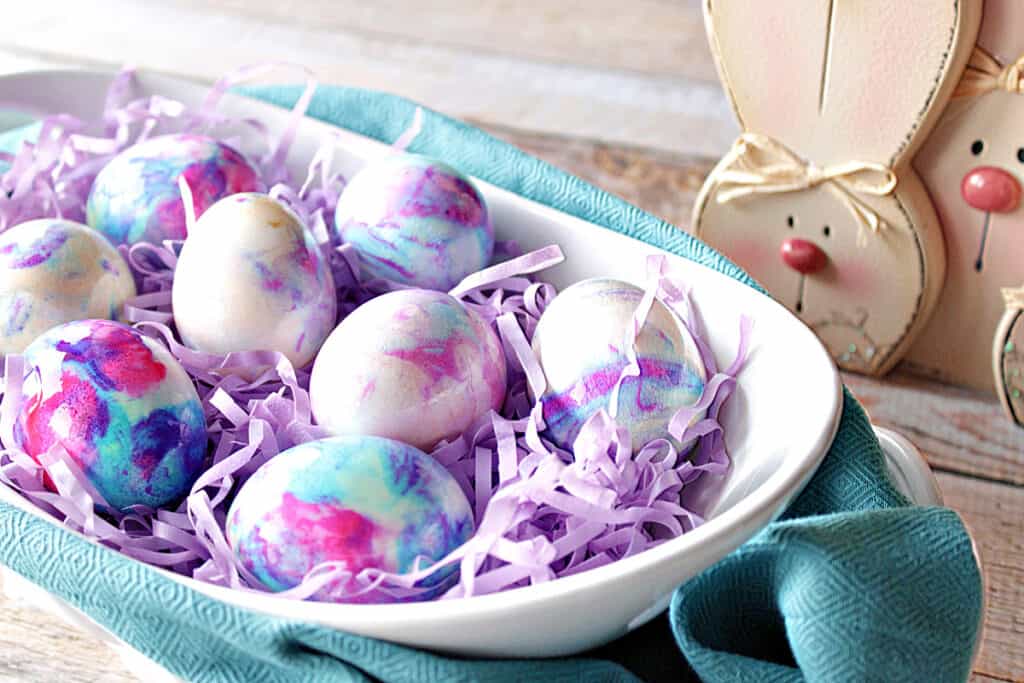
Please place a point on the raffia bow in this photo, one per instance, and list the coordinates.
(758, 164)
(985, 74)
(1014, 297)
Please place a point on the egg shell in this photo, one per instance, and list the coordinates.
(122, 407)
(416, 221)
(414, 365)
(251, 277)
(136, 197)
(579, 342)
(54, 271)
(362, 500)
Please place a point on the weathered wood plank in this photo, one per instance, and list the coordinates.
(960, 430)
(992, 513)
(627, 106)
(37, 647)
(647, 36)
(663, 183)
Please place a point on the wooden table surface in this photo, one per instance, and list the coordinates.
(621, 94)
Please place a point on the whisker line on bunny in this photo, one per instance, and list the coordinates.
(979, 263)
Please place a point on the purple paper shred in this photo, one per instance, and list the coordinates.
(541, 512)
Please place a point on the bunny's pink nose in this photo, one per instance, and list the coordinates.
(991, 189)
(803, 256)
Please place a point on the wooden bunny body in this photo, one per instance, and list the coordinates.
(816, 200)
(973, 167)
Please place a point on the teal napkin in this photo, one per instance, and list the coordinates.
(851, 585)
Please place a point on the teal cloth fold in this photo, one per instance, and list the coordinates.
(850, 585)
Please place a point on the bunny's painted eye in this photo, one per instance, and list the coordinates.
(789, 221)
(826, 231)
(977, 147)
(1020, 155)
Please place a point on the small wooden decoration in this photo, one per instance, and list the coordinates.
(816, 199)
(1008, 356)
(973, 166)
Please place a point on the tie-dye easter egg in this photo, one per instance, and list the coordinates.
(136, 198)
(364, 501)
(52, 272)
(415, 221)
(251, 277)
(580, 343)
(414, 365)
(121, 406)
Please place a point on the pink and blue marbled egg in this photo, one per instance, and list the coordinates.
(55, 271)
(122, 407)
(363, 501)
(416, 221)
(136, 197)
(580, 343)
(414, 365)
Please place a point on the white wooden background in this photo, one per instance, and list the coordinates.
(622, 94)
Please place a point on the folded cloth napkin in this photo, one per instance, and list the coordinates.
(851, 585)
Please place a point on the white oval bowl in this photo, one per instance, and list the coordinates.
(778, 425)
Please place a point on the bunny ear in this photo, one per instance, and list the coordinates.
(1002, 30)
(893, 67)
(769, 55)
(837, 80)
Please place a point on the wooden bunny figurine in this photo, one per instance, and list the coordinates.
(973, 166)
(816, 199)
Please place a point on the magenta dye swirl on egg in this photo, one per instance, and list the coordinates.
(38, 251)
(580, 341)
(444, 336)
(120, 405)
(297, 277)
(414, 365)
(294, 274)
(53, 271)
(662, 386)
(416, 221)
(136, 196)
(366, 502)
